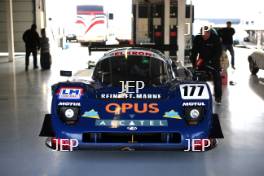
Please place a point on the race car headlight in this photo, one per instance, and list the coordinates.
(69, 115)
(193, 115)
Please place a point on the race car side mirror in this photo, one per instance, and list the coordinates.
(104, 76)
(66, 73)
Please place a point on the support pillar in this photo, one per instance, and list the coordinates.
(166, 23)
(10, 30)
(181, 30)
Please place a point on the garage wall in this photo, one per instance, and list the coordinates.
(3, 40)
(23, 16)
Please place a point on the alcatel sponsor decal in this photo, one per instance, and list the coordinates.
(127, 123)
(131, 90)
(116, 108)
(70, 93)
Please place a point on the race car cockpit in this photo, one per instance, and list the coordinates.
(114, 69)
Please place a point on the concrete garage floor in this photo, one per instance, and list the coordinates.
(25, 98)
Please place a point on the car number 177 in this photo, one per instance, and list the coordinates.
(194, 91)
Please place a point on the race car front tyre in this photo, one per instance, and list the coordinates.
(46, 130)
(252, 66)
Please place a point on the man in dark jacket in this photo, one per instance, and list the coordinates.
(31, 39)
(207, 47)
(227, 39)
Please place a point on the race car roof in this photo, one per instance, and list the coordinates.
(135, 51)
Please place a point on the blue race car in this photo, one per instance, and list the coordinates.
(136, 98)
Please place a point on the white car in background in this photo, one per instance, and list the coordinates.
(240, 37)
(256, 61)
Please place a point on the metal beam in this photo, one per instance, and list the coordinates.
(10, 30)
(166, 23)
(181, 30)
(39, 15)
(136, 36)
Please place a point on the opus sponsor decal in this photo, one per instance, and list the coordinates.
(70, 93)
(116, 108)
(129, 89)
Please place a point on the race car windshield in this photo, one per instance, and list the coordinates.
(131, 68)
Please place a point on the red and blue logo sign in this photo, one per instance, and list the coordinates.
(70, 93)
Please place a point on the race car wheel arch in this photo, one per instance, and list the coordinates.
(216, 130)
(47, 130)
(252, 66)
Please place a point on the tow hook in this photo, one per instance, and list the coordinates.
(129, 149)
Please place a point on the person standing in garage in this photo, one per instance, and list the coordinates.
(32, 44)
(227, 39)
(206, 52)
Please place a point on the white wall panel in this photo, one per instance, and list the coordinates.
(23, 15)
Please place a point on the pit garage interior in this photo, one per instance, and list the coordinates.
(25, 97)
